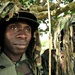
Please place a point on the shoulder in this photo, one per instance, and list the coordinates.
(4, 61)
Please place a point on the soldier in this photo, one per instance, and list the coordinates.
(45, 62)
(17, 41)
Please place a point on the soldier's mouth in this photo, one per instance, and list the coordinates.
(20, 45)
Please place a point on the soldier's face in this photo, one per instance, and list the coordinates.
(17, 37)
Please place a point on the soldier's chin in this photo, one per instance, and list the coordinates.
(20, 52)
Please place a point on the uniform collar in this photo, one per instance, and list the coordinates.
(7, 62)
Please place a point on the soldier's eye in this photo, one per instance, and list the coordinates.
(13, 27)
(27, 29)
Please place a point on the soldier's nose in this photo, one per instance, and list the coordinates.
(22, 35)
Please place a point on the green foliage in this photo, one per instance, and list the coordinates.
(27, 2)
(66, 1)
(44, 43)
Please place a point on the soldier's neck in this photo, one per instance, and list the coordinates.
(13, 57)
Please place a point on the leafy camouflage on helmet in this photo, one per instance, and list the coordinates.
(73, 19)
(63, 42)
(8, 8)
(36, 52)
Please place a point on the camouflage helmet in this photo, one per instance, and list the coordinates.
(27, 17)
